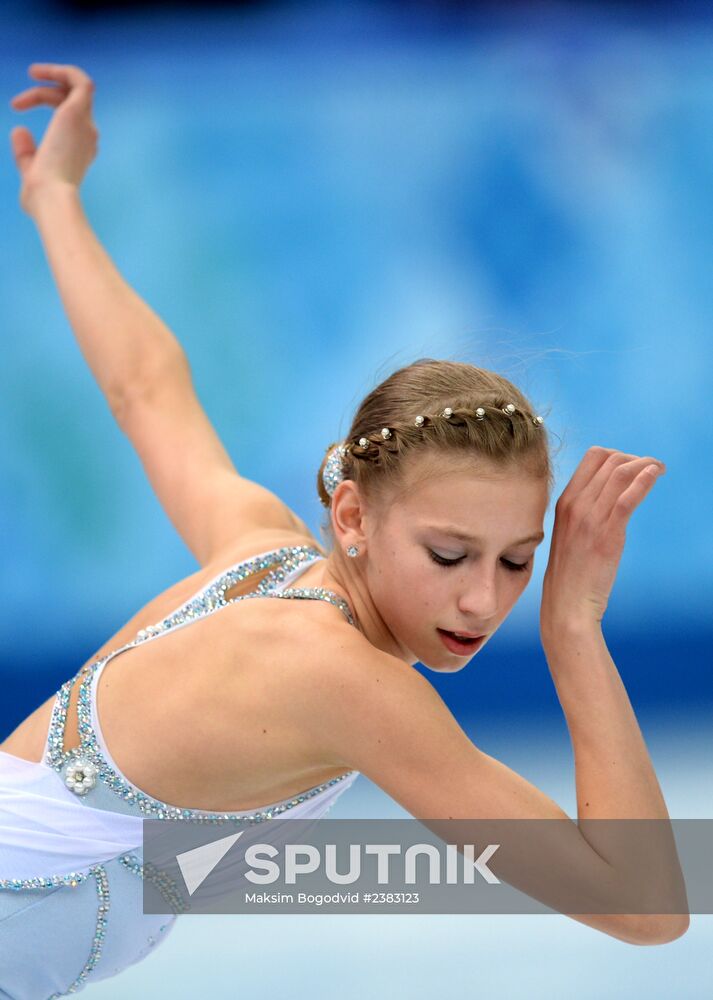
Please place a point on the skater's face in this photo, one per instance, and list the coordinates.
(454, 551)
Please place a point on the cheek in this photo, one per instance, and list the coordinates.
(407, 598)
(517, 584)
(430, 599)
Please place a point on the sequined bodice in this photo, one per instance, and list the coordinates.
(48, 844)
(89, 771)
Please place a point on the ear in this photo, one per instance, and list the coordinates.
(348, 514)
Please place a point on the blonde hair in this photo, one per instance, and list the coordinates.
(426, 387)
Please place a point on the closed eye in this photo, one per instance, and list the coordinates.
(440, 561)
(516, 567)
(513, 567)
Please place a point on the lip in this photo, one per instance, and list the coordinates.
(459, 648)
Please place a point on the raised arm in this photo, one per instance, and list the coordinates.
(388, 722)
(385, 720)
(136, 360)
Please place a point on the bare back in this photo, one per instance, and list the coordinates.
(206, 717)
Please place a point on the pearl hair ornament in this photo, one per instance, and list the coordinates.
(333, 472)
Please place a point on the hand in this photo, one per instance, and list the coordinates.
(589, 535)
(70, 141)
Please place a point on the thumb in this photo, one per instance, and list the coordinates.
(23, 147)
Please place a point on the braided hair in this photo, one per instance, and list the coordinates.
(439, 408)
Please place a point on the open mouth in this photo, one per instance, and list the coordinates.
(463, 647)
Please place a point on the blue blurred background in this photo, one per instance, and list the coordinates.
(311, 195)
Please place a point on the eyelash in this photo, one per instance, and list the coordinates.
(511, 566)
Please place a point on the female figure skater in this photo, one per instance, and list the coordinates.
(232, 710)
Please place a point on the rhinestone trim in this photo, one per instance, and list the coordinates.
(163, 882)
(99, 873)
(208, 600)
(333, 468)
(44, 882)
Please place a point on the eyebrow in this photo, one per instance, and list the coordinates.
(456, 533)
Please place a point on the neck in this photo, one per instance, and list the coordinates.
(346, 577)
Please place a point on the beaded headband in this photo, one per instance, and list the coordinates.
(333, 472)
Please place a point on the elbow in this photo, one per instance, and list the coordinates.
(672, 927)
(652, 929)
(148, 384)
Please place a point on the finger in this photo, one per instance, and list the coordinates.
(632, 496)
(23, 147)
(593, 491)
(620, 480)
(593, 460)
(80, 99)
(70, 76)
(38, 95)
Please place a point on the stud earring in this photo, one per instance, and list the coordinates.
(353, 550)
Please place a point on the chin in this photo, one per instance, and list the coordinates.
(447, 668)
(452, 664)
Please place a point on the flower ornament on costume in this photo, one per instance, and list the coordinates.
(81, 776)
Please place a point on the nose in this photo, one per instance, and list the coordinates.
(479, 601)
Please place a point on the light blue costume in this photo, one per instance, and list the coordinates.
(71, 862)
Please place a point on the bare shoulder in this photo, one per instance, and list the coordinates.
(376, 714)
(240, 550)
(262, 540)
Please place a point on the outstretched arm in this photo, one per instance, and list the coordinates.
(137, 362)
